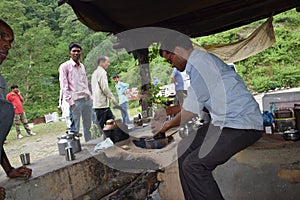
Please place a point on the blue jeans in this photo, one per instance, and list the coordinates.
(124, 113)
(83, 109)
(72, 127)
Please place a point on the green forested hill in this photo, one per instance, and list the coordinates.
(277, 66)
(43, 31)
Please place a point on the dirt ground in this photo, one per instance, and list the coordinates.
(43, 144)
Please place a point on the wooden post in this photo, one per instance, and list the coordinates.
(142, 56)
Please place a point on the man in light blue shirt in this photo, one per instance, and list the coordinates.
(177, 79)
(236, 119)
(121, 88)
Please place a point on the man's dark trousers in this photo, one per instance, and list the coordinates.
(195, 167)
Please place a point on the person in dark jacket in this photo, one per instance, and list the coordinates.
(7, 110)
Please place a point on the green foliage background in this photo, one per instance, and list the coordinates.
(43, 32)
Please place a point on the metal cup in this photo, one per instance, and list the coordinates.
(69, 154)
(25, 158)
(181, 132)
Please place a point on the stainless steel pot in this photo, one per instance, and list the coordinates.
(68, 140)
(291, 135)
(189, 128)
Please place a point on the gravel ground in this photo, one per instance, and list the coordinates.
(43, 144)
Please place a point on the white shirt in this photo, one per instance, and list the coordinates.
(100, 89)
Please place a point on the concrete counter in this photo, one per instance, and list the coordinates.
(55, 178)
(90, 176)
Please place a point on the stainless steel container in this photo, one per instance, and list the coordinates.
(66, 140)
(284, 124)
(297, 115)
(69, 153)
(25, 158)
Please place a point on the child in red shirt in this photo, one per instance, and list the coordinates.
(16, 99)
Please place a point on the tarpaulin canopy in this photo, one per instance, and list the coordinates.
(191, 17)
(262, 38)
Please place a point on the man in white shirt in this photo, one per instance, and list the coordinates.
(101, 92)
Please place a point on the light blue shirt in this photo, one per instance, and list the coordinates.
(178, 79)
(121, 89)
(222, 91)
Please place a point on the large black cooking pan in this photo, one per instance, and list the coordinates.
(157, 142)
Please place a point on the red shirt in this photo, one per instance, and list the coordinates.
(16, 101)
